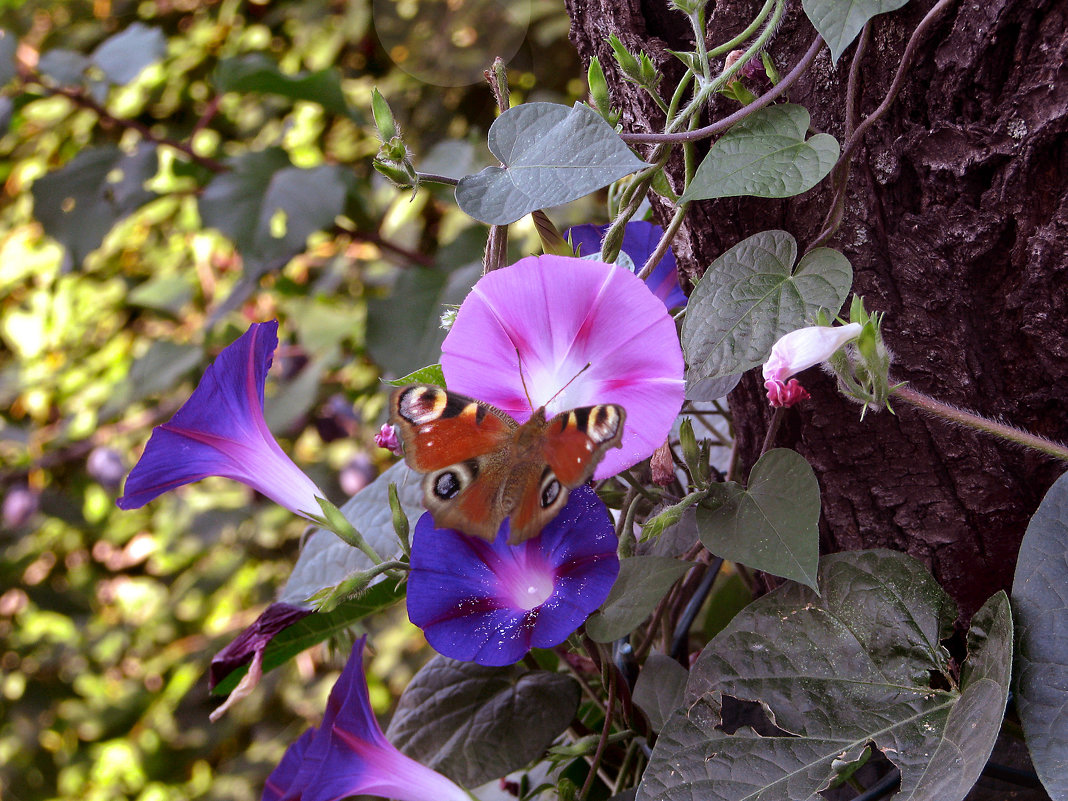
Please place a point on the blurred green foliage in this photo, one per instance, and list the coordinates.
(108, 619)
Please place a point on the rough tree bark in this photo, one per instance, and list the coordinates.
(956, 224)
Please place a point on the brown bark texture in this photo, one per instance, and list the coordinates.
(956, 224)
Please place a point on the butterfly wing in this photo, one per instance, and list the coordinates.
(571, 446)
(459, 444)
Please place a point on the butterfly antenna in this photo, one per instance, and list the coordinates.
(526, 392)
(569, 383)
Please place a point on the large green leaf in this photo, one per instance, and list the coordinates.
(642, 582)
(256, 72)
(404, 330)
(749, 297)
(765, 155)
(326, 559)
(80, 202)
(659, 689)
(476, 723)
(839, 21)
(836, 673)
(551, 154)
(771, 525)
(124, 55)
(269, 207)
(1040, 602)
(315, 628)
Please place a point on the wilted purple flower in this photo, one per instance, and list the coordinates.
(387, 438)
(584, 333)
(640, 239)
(349, 755)
(220, 431)
(491, 603)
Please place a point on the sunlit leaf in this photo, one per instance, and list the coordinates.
(835, 673)
(770, 525)
(256, 72)
(765, 155)
(1040, 603)
(839, 21)
(124, 55)
(642, 582)
(551, 154)
(431, 374)
(80, 202)
(752, 295)
(476, 723)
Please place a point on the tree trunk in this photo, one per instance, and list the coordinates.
(956, 224)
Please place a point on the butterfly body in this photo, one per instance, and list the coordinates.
(481, 466)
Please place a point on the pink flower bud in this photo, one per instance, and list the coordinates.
(387, 438)
(806, 347)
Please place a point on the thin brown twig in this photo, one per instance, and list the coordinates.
(602, 743)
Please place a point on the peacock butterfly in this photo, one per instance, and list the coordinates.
(481, 466)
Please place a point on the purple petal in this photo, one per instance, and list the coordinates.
(561, 314)
(471, 597)
(220, 431)
(640, 239)
(275, 618)
(281, 779)
(349, 755)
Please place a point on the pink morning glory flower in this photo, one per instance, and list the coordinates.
(584, 333)
(640, 239)
(797, 351)
(349, 755)
(220, 431)
(491, 603)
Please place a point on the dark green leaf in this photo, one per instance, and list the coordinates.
(476, 723)
(839, 22)
(124, 55)
(642, 582)
(839, 671)
(1040, 603)
(551, 154)
(404, 330)
(256, 72)
(431, 374)
(9, 43)
(325, 559)
(269, 208)
(772, 525)
(749, 297)
(659, 689)
(317, 627)
(765, 155)
(80, 202)
(168, 293)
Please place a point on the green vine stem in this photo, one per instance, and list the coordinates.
(969, 420)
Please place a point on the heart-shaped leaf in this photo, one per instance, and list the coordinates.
(1040, 602)
(839, 21)
(551, 154)
(660, 688)
(835, 673)
(771, 525)
(642, 582)
(124, 55)
(476, 723)
(749, 297)
(765, 155)
(255, 72)
(80, 202)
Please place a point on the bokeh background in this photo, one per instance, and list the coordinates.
(108, 619)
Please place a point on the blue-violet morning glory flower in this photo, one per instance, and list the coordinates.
(220, 431)
(640, 239)
(584, 333)
(349, 755)
(491, 603)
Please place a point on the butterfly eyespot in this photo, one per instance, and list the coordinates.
(447, 486)
(550, 491)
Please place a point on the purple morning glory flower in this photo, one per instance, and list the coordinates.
(491, 603)
(584, 333)
(220, 431)
(349, 755)
(640, 239)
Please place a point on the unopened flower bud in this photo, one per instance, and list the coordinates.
(387, 438)
(662, 466)
(805, 347)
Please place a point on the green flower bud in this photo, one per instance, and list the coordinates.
(387, 126)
